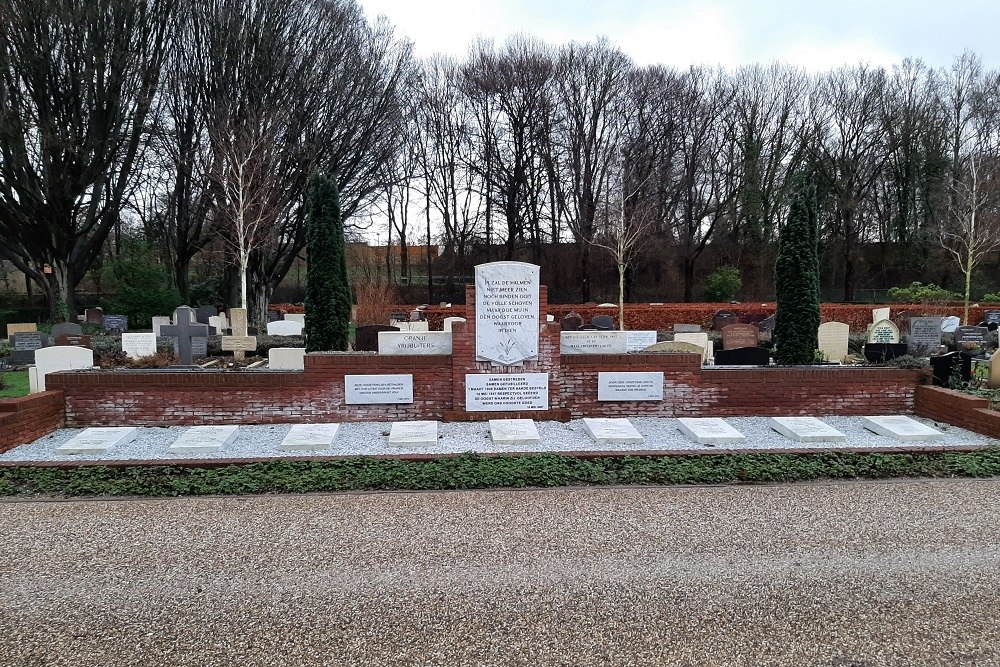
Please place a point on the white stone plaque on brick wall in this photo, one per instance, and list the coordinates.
(636, 341)
(630, 386)
(414, 342)
(507, 303)
(506, 392)
(374, 389)
(593, 342)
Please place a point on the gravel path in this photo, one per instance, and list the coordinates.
(856, 574)
(371, 438)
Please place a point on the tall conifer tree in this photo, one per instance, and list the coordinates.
(796, 278)
(328, 290)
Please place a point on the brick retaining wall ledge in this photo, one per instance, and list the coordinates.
(28, 418)
(958, 409)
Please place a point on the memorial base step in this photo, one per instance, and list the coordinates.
(555, 415)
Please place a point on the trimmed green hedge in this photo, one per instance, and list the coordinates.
(472, 471)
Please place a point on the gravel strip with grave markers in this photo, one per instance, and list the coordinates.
(371, 438)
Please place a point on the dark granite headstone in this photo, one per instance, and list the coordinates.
(971, 336)
(767, 324)
(588, 327)
(603, 322)
(743, 356)
(687, 328)
(79, 340)
(185, 331)
(272, 316)
(877, 353)
(740, 335)
(944, 366)
(723, 319)
(571, 322)
(199, 347)
(205, 312)
(366, 337)
(66, 328)
(114, 323)
(25, 344)
(94, 315)
(991, 319)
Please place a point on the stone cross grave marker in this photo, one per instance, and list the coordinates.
(925, 335)
(740, 335)
(239, 343)
(184, 331)
(834, 340)
(883, 331)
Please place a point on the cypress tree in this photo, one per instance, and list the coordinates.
(796, 278)
(328, 290)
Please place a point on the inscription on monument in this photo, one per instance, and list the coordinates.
(507, 302)
(499, 393)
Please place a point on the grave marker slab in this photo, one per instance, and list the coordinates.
(612, 431)
(202, 439)
(834, 340)
(879, 314)
(687, 328)
(699, 339)
(740, 335)
(366, 337)
(309, 437)
(883, 331)
(507, 312)
(710, 430)
(624, 386)
(160, 321)
(925, 335)
(506, 392)
(25, 345)
(239, 343)
(449, 321)
(98, 440)
(138, 345)
(593, 342)
(901, 428)
(413, 433)
(61, 358)
(743, 356)
(971, 336)
(73, 339)
(514, 432)
(204, 313)
(637, 341)
(67, 329)
(94, 315)
(378, 389)
(217, 322)
(20, 327)
(114, 323)
(238, 320)
(287, 358)
(418, 343)
(284, 328)
(806, 429)
(185, 331)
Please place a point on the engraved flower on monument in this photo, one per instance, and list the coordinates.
(507, 305)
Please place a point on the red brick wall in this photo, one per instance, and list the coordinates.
(29, 417)
(962, 410)
(691, 391)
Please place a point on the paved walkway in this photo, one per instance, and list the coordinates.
(855, 574)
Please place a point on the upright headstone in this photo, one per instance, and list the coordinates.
(79, 340)
(20, 327)
(66, 328)
(296, 317)
(366, 337)
(217, 322)
(970, 337)
(238, 321)
(834, 339)
(287, 358)
(205, 312)
(991, 319)
(284, 328)
(449, 321)
(699, 339)
(740, 335)
(767, 324)
(274, 315)
(946, 366)
(184, 331)
(138, 345)
(994, 381)
(743, 356)
(114, 324)
(25, 345)
(160, 321)
(883, 331)
(603, 322)
(879, 314)
(925, 335)
(94, 315)
(723, 319)
(950, 323)
(687, 328)
(239, 343)
(61, 358)
(572, 322)
(507, 312)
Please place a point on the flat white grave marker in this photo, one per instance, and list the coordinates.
(806, 429)
(710, 430)
(513, 432)
(413, 433)
(309, 437)
(199, 439)
(901, 428)
(612, 431)
(98, 440)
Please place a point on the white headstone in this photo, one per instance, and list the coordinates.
(413, 433)
(296, 317)
(506, 392)
(448, 321)
(879, 314)
(883, 331)
(287, 358)
(994, 380)
(61, 358)
(217, 322)
(377, 389)
(410, 342)
(637, 341)
(405, 325)
(699, 339)
(138, 345)
(201, 439)
(284, 328)
(309, 437)
(160, 321)
(806, 429)
(950, 323)
(593, 342)
(834, 340)
(902, 428)
(612, 431)
(507, 312)
(641, 386)
(34, 386)
(710, 430)
(514, 432)
(98, 440)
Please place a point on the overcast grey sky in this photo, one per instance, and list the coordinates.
(814, 34)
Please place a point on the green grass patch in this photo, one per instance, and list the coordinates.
(13, 384)
(472, 471)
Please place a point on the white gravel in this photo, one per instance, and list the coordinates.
(370, 439)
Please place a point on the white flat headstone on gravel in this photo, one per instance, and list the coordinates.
(98, 440)
(413, 433)
(309, 437)
(612, 431)
(806, 429)
(902, 428)
(710, 431)
(200, 439)
(514, 432)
